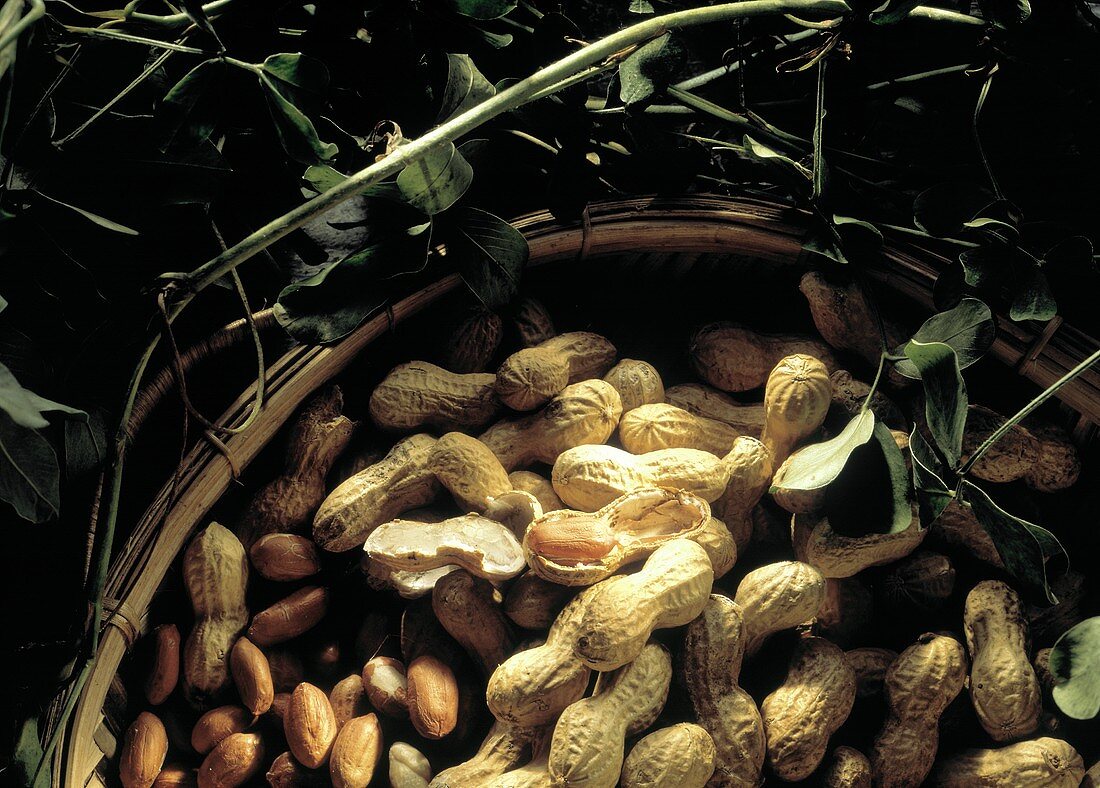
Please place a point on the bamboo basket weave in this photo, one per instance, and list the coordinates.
(665, 228)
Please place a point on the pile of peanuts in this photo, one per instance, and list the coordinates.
(553, 552)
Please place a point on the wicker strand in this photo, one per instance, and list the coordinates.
(120, 615)
(1027, 361)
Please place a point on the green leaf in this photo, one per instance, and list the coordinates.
(186, 113)
(815, 466)
(1025, 548)
(1005, 13)
(892, 11)
(983, 266)
(480, 9)
(85, 444)
(296, 132)
(871, 493)
(649, 69)
(94, 218)
(1075, 665)
(969, 329)
(330, 304)
(901, 500)
(29, 473)
(941, 210)
(945, 399)
(994, 229)
(28, 754)
(466, 87)
(296, 71)
(436, 182)
(759, 152)
(1031, 298)
(933, 494)
(641, 7)
(491, 254)
(25, 408)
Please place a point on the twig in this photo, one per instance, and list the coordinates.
(38, 10)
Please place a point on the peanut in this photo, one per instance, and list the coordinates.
(588, 741)
(165, 671)
(845, 611)
(469, 608)
(920, 685)
(533, 603)
(1003, 686)
(849, 395)
(530, 377)
(542, 489)
(348, 699)
(356, 753)
(515, 510)
(750, 464)
(958, 527)
(532, 322)
(709, 403)
(659, 426)
(582, 413)
(469, 470)
(176, 776)
(814, 700)
(844, 317)
(473, 342)
(670, 589)
(480, 545)
(215, 571)
(796, 401)
(837, 555)
(217, 725)
(581, 548)
(503, 749)
(408, 767)
(320, 433)
(309, 725)
(732, 358)
(399, 482)
(849, 768)
(1059, 464)
(286, 667)
(1040, 763)
(1042, 456)
(432, 697)
(681, 755)
(289, 617)
(637, 382)
(234, 762)
(720, 544)
(923, 579)
(285, 557)
(418, 395)
(285, 772)
(386, 686)
(776, 597)
(252, 675)
(143, 751)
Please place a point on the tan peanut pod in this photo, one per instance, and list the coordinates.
(533, 774)
(837, 555)
(776, 597)
(348, 699)
(356, 752)
(387, 687)
(1003, 686)
(796, 501)
(588, 741)
(796, 401)
(924, 579)
(849, 395)
(289, 617)
(870, 665)
(285, 772)
(529, 378)
(143, 751)
(469, 470)
(218, 724)
(503, 749)
(287, 671)
(235, 761)
(637, 382)
(408, 767)
(750, 464)
(589, 477)
(720, 544)
(958, 527)
(533, 603)
(670, 589)
(542, 489)
(309, 725)
(285, 557)
(845, 611)
(215, 571)
(399, 482)
(844, 317)
(479, 545)
(532, 322)
(1059, 464)
(582, 548)
(1039, 763)
(418, 395)
(252, 676)
(1045, 460)
(659, 426)
(583, 413)
(469, 608)
(1041, 664)
(732, 358)
(1092, 777)
(164, 673)
(713, 649)
(747, 418)
(176, 775)
(1047, 622)
(770, 524)
(811, 704)
(531, 687)
(920, 685)
(681, 755)
(432, 696)
(473, 342)
(286, 504)
(848, 768)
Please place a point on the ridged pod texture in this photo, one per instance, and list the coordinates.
(583, 413)
(503, 749)
(215, 571)
(849, 395)
(541, 488)
(638, 383)
(587, 747)
(920, 684)
(469, 470)
(836, 555)
(923, 579)
(469, 608)
(870, 664)
(532, 322)
(776, 597)
(530, 377)
(814, 700)
(401, 481)
(417, 394)
(1003, 686)
(712, 653)
(751, 466)
(1011, 458)
(702, 400)
(670, 589)
(733, 358)
(848, 768)
(844, 317)
(473, 342)
(659, 426)
(1040, 763)
(680, 755)
(796, 400)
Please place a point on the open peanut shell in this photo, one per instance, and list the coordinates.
(581, 548)
(481, 546)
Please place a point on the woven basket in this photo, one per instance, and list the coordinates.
(631, 231)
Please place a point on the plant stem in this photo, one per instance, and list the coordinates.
(118, 35)
(38, 10)
(937, 72)
(172, 20)
(819, 134)
(874, 383)
(982, 96)
(691, 83)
